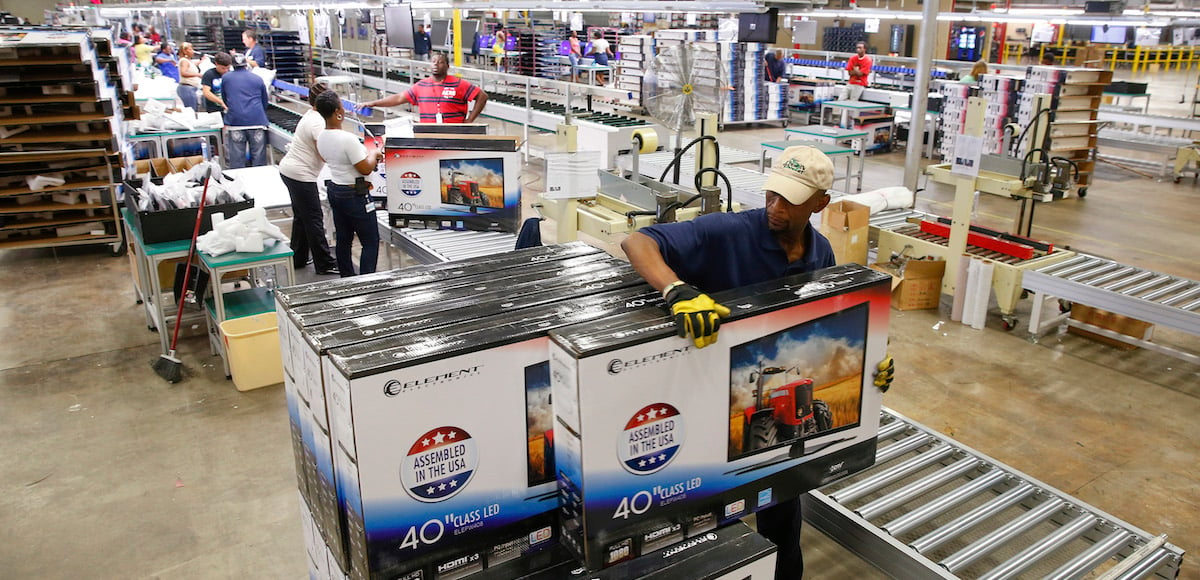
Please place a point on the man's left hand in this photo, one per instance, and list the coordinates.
(885, 371)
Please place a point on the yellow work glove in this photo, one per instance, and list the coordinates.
(696, 315)
(885, 372)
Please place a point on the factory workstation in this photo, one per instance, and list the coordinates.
(600, 290)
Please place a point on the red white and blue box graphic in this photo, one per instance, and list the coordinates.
(655, 438)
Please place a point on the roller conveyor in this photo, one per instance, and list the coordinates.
(934, 508)
(434, 246)
(1145, 295)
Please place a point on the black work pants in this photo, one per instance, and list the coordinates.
(351, 218)
(308, 226)
(781, 524)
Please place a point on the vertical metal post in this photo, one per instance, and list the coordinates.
(920, 104)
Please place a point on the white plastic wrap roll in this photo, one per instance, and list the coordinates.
(649, 140)
(883, 199)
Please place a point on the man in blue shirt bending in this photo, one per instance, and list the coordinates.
(245, 95)
(720, 251)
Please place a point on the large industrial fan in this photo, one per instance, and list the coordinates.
(686, 84)
(683, 82)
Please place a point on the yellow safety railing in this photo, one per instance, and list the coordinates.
(1136, 59)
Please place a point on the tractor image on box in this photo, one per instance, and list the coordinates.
(465, 191)
(783, 411)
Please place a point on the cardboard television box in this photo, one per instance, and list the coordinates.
(781, 404)
(307, 415)
(454, 182)
(917, 285)
(845, 224)
(291, 297)
(444, 440)
(556, 281)
(733, 552)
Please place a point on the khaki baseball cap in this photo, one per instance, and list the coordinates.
(800, 173)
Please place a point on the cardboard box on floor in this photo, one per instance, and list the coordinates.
(1108, 320)
(845, 224)
(918, 287)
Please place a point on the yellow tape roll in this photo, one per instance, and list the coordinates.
(649, 140)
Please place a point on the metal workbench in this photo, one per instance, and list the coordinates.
(932, 507)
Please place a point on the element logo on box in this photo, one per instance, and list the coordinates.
(439, 464)
(410, 183)
(651, 439)
(616, 365)
(393, 387)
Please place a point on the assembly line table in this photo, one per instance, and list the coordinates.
(855, 138)
(222, 305)
(148, 286)
(848, 107)
(833, 151)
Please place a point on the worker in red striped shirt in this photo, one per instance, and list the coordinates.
(441, 98)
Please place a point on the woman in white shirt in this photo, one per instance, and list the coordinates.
(299, 170)
(189, 77)
(353, 210)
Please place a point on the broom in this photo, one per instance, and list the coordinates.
(168, 366)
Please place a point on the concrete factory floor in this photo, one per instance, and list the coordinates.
(108, 472)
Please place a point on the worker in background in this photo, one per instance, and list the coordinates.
(245, 96)
(422, 44)
(574, 53)
(143, 52)
(977, 70)
(299, 170)
(353, 210)
(500, 47)
(776, 67)
(720, 251)
(210, 83)
(859, 66)
(167, 62)
(601, 51)
(441, 98)
(254, 52)
(152, 36)
(189, 77)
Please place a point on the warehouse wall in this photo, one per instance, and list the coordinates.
(31, 10)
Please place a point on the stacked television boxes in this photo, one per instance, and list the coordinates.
(1038, 80)
(954, 115)
(1000, 92)
(375, 524)
(781, 404)
(310, 308)
(636, 53)
(752, 97)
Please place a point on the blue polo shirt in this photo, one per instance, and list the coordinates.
(720, 251)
